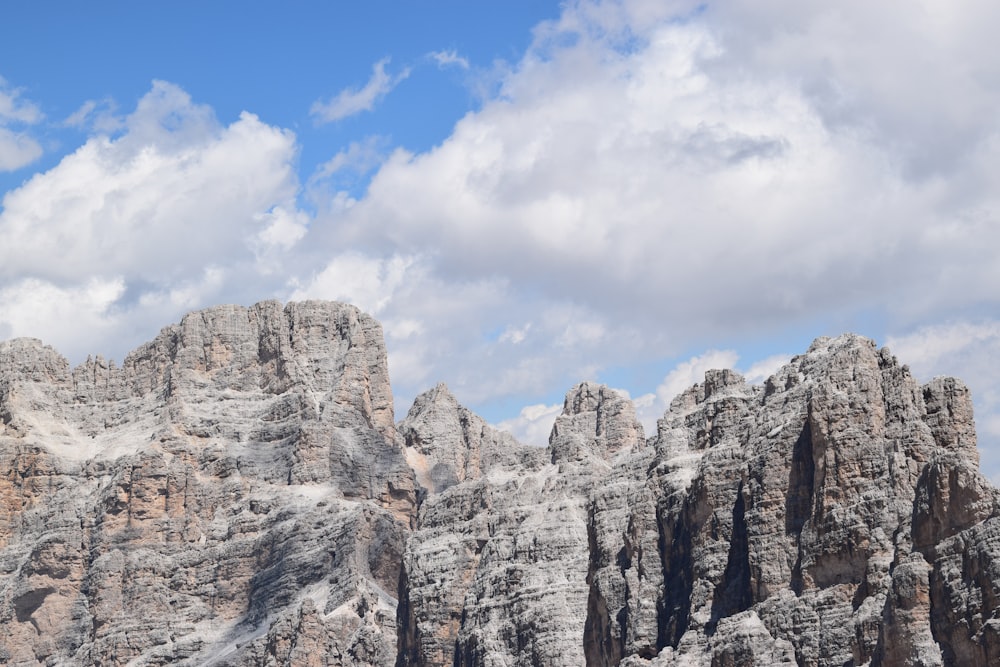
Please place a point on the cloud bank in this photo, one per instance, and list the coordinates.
(174, 213)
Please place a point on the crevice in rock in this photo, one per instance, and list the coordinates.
(465, 648)
(407, 646)
(800, 499)
(733, 593)
(939, 620)
(801, 482)
(600, 647)
(675, 554)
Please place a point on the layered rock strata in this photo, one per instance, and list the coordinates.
(833, 516)
(236, 493)
(497, 571)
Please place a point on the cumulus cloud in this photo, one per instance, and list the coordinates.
(173, 212)
(352, 101)
(173, 193)
(367, 282)
(533, 425)
(633, 166)
(37, 308)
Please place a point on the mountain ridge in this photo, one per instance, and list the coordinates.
(237, 492)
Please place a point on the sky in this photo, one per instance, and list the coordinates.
(527, 194)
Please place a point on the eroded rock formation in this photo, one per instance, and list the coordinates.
(234, 493)
(237, 493)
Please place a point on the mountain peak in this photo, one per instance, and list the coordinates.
(238, 485)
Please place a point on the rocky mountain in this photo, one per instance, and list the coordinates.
(237, 492)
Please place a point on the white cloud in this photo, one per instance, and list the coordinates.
(352, 277)
(17, 147)
(17, 150)
(759, 371)
(969, 350)
(654, 175)
(79, 117)
(176, 212)
(101, 116)
(930, 348)
(281, 228)
(15, 109)
(449, 59)
(329, 189)
(650, 407)
(175, 192)
(351, 101)
(284, 227)
(358, 157)
(533, 425)
(39, 309)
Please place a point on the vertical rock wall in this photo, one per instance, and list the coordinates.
(237, 493)
(234, 493)
(833, 516)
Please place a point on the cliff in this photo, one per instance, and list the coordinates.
(237, 493)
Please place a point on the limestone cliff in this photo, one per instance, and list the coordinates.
(237, 493)
(234, 493)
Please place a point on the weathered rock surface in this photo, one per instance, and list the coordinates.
(497, 572)
(833, 516)
(237, 493)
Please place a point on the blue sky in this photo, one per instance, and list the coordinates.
(272, 60)
(526, 194)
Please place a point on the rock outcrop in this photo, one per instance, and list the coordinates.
(237, 493)
(497, 571)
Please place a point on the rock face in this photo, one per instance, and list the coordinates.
(497, 571)
(236, 493)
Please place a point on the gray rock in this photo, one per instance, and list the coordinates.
(447, 444)
(236, 485)
(237, 493)
(497, 571)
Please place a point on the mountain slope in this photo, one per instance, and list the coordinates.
(237, 493)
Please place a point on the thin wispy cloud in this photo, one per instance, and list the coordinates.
(17, 147)
(449, 59)
(98, 115)
(351, 101)
(14, 108)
